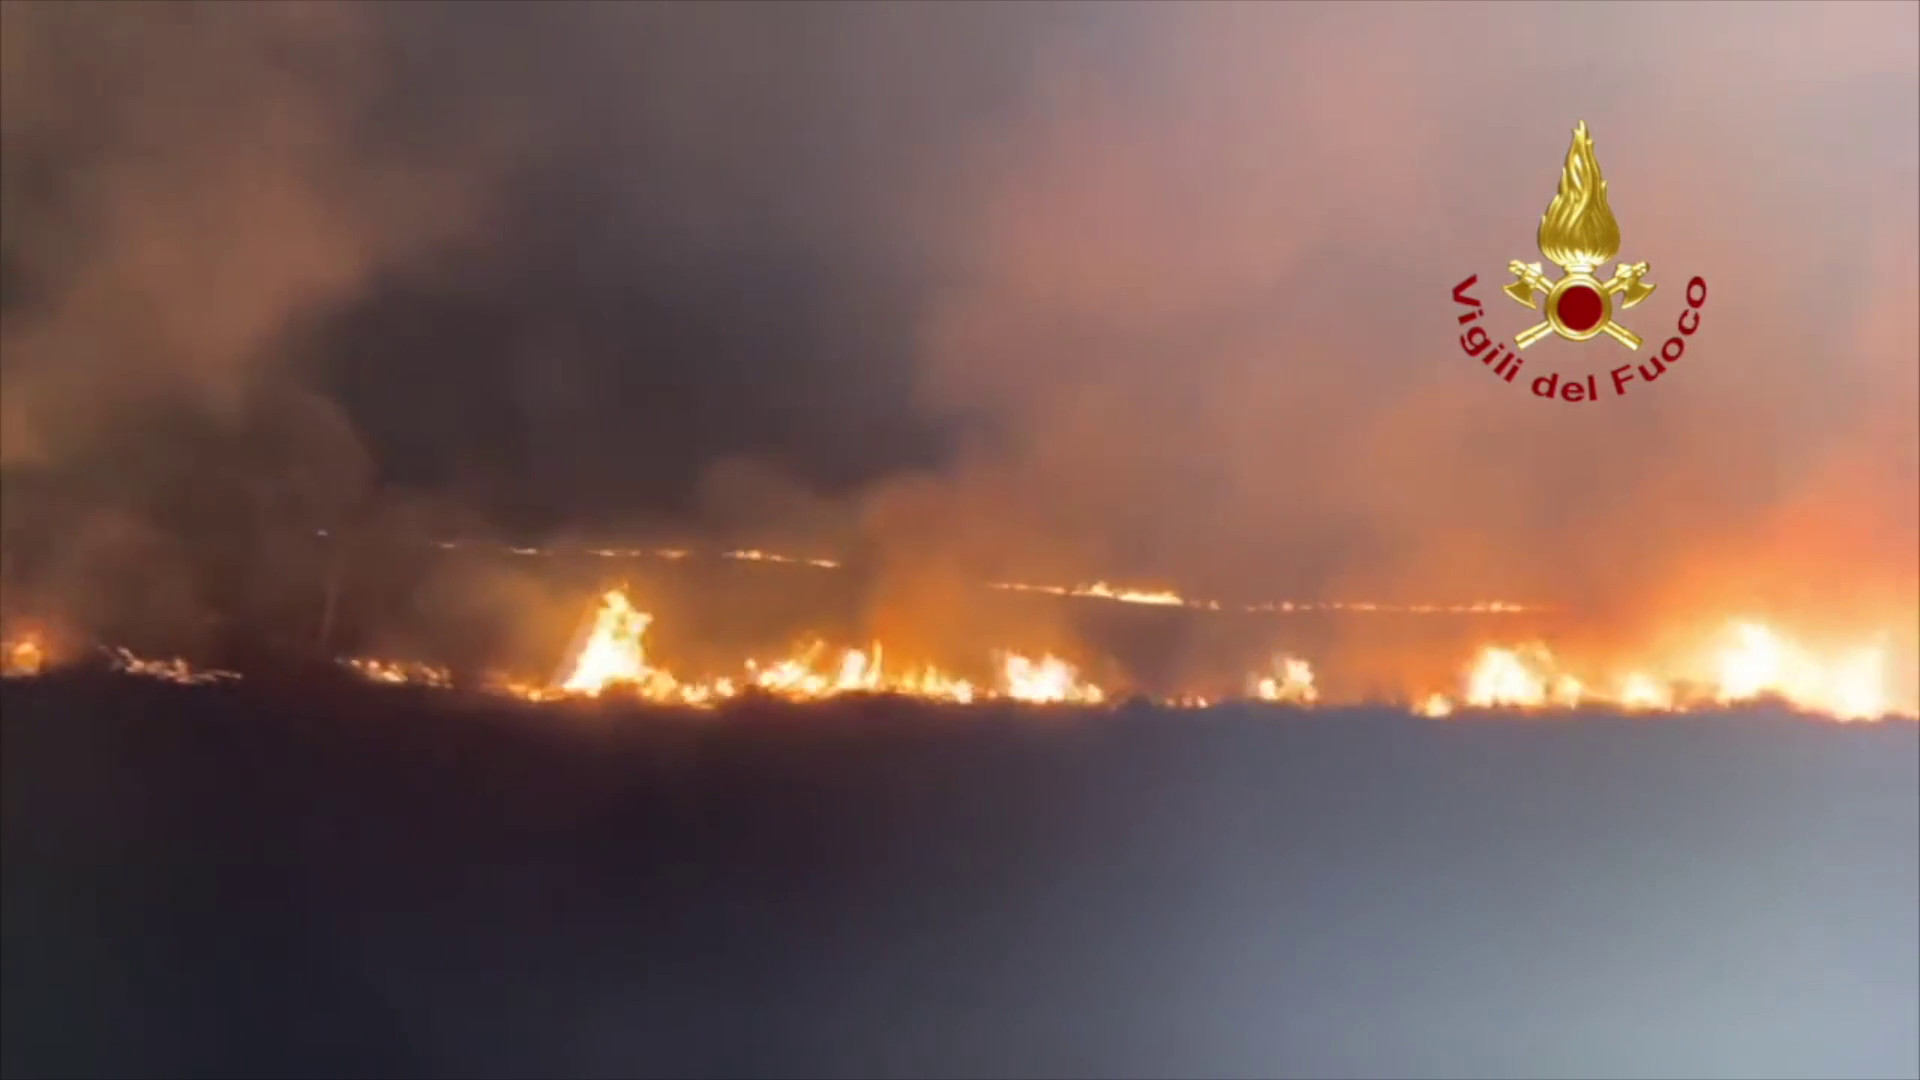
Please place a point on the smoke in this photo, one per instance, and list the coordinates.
(186, 187)
(963, 293)
(1204, 297)
(183, 183)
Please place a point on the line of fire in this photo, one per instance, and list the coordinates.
(664, 632)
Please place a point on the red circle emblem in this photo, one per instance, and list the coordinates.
(1579, 308)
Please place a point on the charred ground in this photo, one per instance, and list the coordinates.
(316, 877)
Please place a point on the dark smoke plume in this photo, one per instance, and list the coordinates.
(958, 292)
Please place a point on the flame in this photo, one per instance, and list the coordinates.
(1758, 662)
(615, 652)
(1506, 677)
(1048, 680)
(756, 555)
(29, 656)
(24, 657)
(1639, 692)
(1101, 590)
(1752, 664)
(613, 656)
(398, 672)
(173, 670)
(1567, 692)
(1746, 661)
(1292, 683)
(1521, 678)
(1858, 688)
(798, 678)
(1578, 230)
(1755, 662)
(1098, 590)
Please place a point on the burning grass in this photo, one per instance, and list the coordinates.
(1745, 662)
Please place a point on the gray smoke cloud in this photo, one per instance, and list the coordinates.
(185, 184)
(184, 189)
(1054, 292)
(1207, 300)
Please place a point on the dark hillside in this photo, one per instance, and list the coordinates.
(332, 880)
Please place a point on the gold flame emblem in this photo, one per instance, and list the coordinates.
(1578, 233)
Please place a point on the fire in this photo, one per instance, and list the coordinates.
(799, 678)
(29, 656)
(1755, 662)
(1568, 692)
(174, 670)
(1758, 662)
(398, 672)
(1507, 677)
(1292, 683)
(1122, 594)
(23, 658)
(613, 657)
(1857, 691)
(1639, 692)
(1746, 661)
(934, 685)
(756, 555)
(1048, 680)
(1098, 590)
(614, 653)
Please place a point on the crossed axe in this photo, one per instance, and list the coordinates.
(1626, 279)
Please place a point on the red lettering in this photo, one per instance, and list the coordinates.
(1475, 340)
(1684, 328)
(1460, 292)
(1573, 391)
(1659, 369)
(1691, 302)
(1620, 384)
(1675, 347)
(1551, 382)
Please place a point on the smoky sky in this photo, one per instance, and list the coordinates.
(1150, 291)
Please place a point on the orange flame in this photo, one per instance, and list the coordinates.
(1048, 680)
(173, 670)
(1292, 683)
(1528, 677)
(398, 672)
(23, 658)
(1747, 661)
(1755, 662)
(613, 656)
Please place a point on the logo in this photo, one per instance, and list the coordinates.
(1578, 234)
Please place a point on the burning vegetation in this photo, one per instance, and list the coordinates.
(1754, 662)
(24, 657)
(609, 659)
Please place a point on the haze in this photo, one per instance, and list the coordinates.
(1056, 292)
